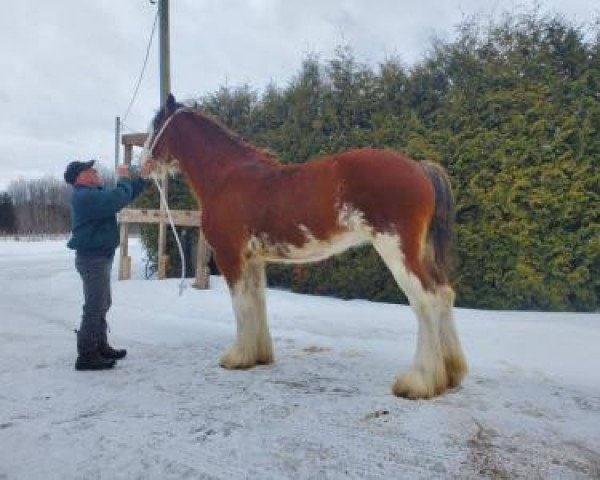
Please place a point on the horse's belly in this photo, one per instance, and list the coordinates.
(313, 250)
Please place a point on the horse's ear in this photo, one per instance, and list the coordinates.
(171, 103)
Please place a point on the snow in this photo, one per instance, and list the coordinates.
(529, 408)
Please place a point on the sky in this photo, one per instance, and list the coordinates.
(69, 68)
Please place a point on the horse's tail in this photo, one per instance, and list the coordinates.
(441, 229)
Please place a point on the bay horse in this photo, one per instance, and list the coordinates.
(256, 210)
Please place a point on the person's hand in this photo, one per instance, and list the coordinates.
(123, 171)
(147, 168)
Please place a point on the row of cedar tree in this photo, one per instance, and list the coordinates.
(511, 109)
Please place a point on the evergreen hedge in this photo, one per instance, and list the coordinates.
(511, 109)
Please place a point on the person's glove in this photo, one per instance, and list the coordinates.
(123, 171)
(126, 171)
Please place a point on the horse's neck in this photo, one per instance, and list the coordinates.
(209, 155)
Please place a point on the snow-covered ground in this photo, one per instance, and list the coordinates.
(530, 407)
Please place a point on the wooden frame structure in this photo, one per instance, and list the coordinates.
(189, 218)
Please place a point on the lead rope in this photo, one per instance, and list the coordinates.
(182, 284)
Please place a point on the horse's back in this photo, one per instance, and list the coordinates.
(386, 186)
(376, 166)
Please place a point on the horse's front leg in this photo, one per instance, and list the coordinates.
(253, 344)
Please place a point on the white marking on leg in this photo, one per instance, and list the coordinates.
(427, 376)
(253, 342)
(454, 358)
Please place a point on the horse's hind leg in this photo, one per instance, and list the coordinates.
(253, 344)
(454, 359)
(427, 376)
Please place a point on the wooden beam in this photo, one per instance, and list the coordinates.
(134, 139)
(183, 218)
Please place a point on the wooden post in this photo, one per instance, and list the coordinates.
(202, 281)
(124, 258)
(163, 258)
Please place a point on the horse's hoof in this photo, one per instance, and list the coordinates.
(456, 369)
(414, 385)
(233, 359)
(265, 359)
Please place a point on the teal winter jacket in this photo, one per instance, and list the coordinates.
(94, 229)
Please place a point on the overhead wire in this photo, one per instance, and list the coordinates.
(141, 76)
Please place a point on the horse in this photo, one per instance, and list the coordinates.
(257, 210)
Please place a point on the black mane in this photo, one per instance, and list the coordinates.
(162, 115)
(171, 106)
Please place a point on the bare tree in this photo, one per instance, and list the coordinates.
(41, 205)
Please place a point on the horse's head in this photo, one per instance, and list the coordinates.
(157, 155)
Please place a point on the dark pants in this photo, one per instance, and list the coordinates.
(95, 273)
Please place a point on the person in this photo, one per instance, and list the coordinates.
(95, 237)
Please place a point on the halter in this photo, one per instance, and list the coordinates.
(164, 126)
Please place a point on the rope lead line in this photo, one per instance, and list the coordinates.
(182, 284)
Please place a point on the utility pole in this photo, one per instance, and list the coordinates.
(165, 55)
(117, 141)
(165, 89)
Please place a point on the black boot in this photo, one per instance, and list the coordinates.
(89, 356)
(105, 349)
(93, 361)
(108, 352)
